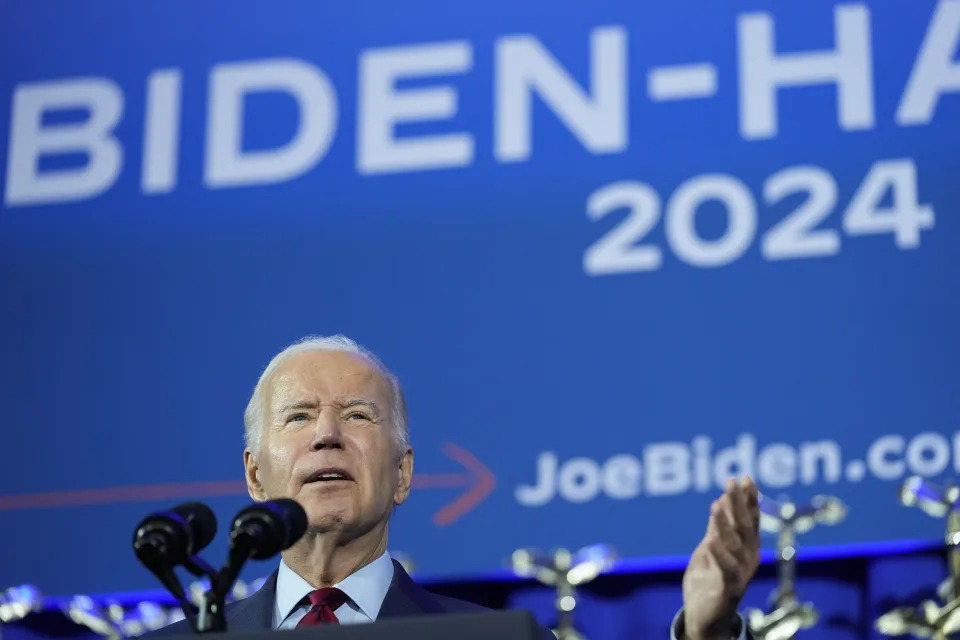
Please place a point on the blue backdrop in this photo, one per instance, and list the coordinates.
(615, 253)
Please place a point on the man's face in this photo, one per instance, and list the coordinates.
(328, 442)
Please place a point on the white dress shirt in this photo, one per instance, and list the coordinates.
(365, 591)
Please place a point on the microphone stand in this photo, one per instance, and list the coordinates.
(212, 615)
(169, 579)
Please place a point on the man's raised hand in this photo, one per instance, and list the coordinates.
(722, 564)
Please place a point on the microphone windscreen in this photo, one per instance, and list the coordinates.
(295, 519)
(201, 523)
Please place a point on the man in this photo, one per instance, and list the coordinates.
(327, 426)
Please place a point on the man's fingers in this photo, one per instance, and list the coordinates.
(724, 529)
(731, 542)
(726, 560)
(742, 519)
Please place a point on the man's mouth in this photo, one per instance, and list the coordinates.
(330, 474)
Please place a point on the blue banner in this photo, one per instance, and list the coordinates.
(614, 253)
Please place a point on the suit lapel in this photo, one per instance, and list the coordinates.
(255, 613)
(406, 598)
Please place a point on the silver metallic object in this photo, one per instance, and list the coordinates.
(16, 603)
(107, 618)
(929, 619)
(85, 611)
(111, 620)
(564, 571)
(787, 520)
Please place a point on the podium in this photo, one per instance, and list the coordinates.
(493, 625)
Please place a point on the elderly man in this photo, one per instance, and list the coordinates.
(327, 426)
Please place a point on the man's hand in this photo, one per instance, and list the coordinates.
(722, 564)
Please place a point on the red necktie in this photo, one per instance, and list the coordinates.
(323, 603)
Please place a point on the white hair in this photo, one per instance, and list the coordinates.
(253, 415)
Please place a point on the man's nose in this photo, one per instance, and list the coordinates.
(327, 434)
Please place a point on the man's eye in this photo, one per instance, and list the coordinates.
(298, 417)
(358, 415)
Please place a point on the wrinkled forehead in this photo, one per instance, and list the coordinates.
(327, 375)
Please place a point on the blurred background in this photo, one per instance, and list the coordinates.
(615, 252)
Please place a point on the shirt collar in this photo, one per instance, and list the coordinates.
(366, 587)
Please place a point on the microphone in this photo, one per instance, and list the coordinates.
(168, 538)
(259, 531)
(266, 528)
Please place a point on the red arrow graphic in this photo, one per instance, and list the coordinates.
(477, 477)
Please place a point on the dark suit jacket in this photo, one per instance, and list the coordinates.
(404, 598)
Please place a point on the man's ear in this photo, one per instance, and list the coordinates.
(252, 473)
(406, 477)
